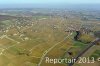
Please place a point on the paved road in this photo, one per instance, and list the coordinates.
(46, 52)
(83, 51)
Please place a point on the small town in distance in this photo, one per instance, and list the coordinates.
(49, 36)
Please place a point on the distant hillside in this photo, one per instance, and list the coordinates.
(6, 17)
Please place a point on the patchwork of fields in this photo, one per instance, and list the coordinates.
(26, 41)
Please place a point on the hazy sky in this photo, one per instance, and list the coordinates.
(49, 1)
(45, 3)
